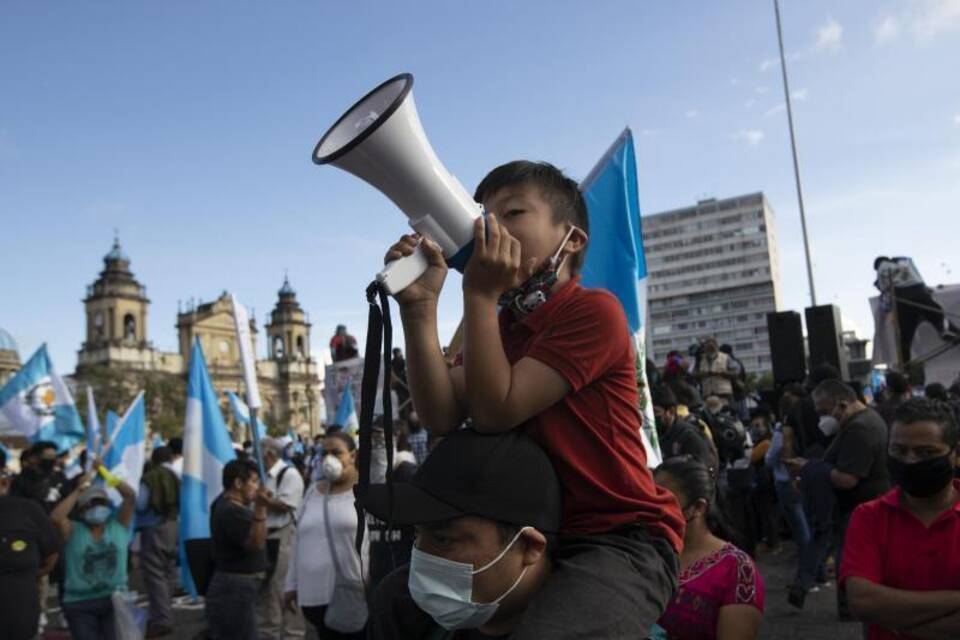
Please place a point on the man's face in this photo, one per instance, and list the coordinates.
(48, 460)
(710, 347)
(529, 218)
(476, 541)
(826, 406)
(248, 489)
(919, 441)
(664, 418)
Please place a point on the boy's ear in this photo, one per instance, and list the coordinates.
(577, 241)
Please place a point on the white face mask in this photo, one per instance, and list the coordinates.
(332, 468)
(444, 589)
(828, 425)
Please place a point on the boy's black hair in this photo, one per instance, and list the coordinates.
(561, 193)
(926, 410)
(663, 397)
(176, 445)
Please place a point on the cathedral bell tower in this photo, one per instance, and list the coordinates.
(116, 312)
(288, 334)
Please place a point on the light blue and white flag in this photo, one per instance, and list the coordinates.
(111, 426)
(206, 450)
(347, 412)
(615, 259)
(241, 413)
(126, 453)
(37, 404)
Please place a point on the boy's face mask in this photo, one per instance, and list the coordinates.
(530, 295)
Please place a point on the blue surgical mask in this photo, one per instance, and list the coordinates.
(444, 589)
(96, 515)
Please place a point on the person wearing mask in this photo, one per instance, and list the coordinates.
(285, 485)
(716, 372)
(764, 496)
(239, 536)
(95, 555)
(677, 437)
(856, 462)
(801, 424)
(29, 547)
(158, 504)
(901, 564)
(720, 592)
(39, 479)
(323, 557)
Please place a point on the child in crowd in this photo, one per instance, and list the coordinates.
(544, 354)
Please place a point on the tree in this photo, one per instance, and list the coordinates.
(164, 395)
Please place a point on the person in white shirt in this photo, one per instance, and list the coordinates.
(285, 485)
(324, 556)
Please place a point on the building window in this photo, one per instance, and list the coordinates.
(129, 327)
(300, 348)
(278, 347)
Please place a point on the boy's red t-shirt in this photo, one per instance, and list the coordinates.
(593, 435)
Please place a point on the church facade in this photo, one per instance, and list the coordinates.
(117, 315)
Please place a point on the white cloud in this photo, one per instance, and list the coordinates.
(751, 136)
(934, 17)
(887, 31)
(956, 119)
(761, 90)
(749, 103)
(800, 94)
(649, 133)
(829, 36)
(734, 81)
(775, 110)
(692, 113)
(769, 63)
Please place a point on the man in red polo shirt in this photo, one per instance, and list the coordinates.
(901, 561)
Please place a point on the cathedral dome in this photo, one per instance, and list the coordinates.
(7, 342)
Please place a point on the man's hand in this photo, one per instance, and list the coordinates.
(263, 499)
(426, 289)
(495, 265)
(290, 601)
(795, 465)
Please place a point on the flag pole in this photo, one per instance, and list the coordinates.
(244, 342)
(793, 149)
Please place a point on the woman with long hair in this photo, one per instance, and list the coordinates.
(720, 592)
(325, 578)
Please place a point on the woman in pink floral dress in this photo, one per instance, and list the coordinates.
(720, 592)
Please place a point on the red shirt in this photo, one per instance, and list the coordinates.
(887, 545)
(593, 434)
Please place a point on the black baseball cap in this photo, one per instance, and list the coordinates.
(505, 477)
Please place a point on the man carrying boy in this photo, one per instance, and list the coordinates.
(545, 354)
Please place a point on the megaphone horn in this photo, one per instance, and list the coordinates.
(381, 141)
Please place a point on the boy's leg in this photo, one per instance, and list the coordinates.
(610, 585)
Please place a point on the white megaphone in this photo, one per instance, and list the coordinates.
(380, 140)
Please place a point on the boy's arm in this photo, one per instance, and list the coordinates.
(436, 396)
(502, 396)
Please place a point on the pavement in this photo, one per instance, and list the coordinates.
(817, 621)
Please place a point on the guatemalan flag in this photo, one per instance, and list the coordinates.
(206, 450)
(93, 429)
(126, 455)
(37, 404)
(241, 413)
(347, 412)
(615, 259)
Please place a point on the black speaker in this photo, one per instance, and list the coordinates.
(786, 346)
(824, 331)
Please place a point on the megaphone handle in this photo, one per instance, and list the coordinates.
(400, 274)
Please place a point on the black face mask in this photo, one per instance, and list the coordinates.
(921, 479)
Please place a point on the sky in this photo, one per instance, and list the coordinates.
(188, 126)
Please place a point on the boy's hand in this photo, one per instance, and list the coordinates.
(495, 265)
(427, 287)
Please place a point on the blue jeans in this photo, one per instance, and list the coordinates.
(810, 555)
(90, 619)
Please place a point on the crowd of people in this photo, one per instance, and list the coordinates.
(521, 503)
